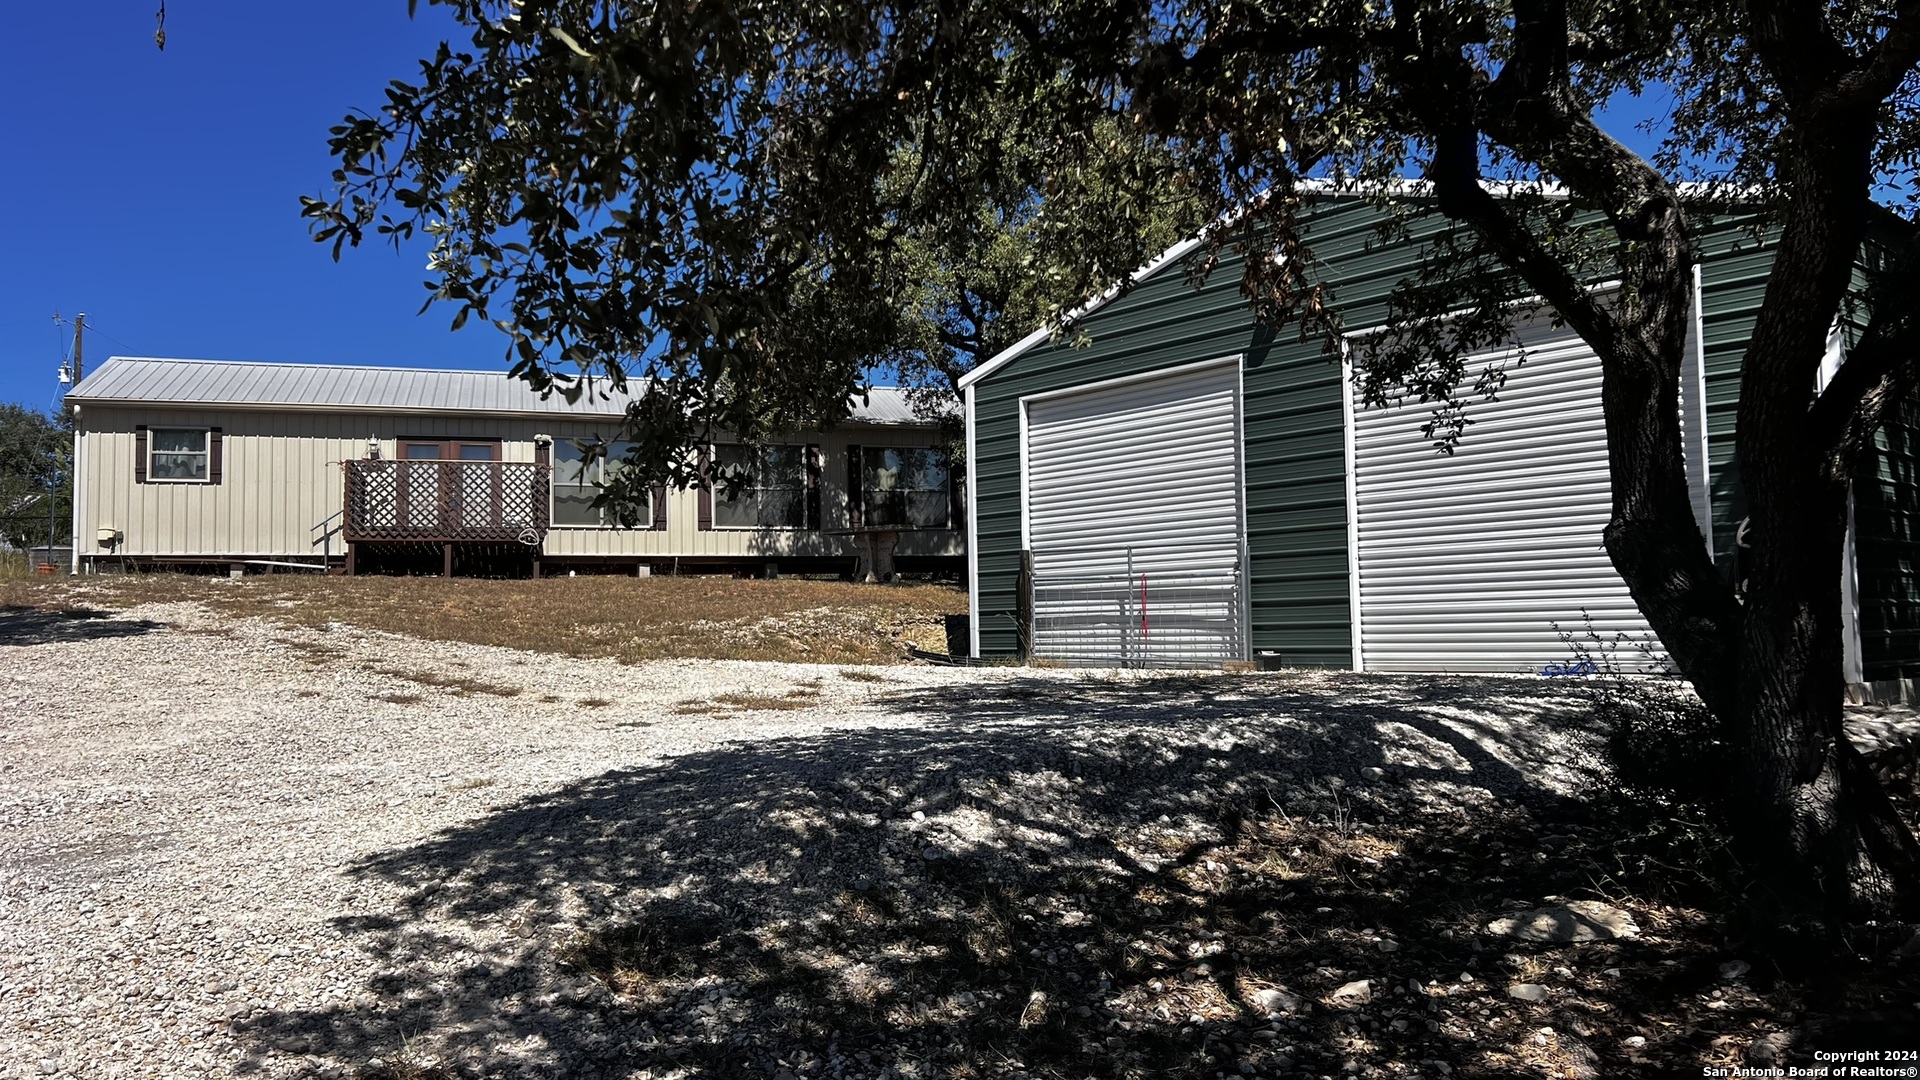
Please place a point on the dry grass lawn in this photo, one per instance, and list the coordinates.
(15, 566)
(627, 619)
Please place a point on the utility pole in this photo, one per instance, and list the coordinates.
(69, 376)
(53, 526)
(79, 330)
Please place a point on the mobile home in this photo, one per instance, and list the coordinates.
(352, 468)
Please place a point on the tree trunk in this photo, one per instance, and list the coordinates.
(1823, 845)
(1820, 836)
(1816, 833)
(1809, 819)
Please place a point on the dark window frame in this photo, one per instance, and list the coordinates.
(872, 500)
(147, 451)
(805, 513)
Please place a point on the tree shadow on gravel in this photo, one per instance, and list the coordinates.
(1038, 877)
(20, 626)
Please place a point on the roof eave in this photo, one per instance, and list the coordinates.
(303, 407)
(412, 410)
(1013, 352)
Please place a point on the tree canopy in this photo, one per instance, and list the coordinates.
(755, 205)
(979, 281)
(759, 202)
(753, 202)
(33, 453)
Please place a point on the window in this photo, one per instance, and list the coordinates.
(577, 479)
(178, 454)
(905, 487)
(768, 485)
(450, 450)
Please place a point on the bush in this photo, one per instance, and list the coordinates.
(1668, 764)
(1662, 743)
(1661, 740)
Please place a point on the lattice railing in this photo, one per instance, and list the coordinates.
(446, 501)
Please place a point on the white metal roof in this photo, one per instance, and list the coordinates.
(139, 380)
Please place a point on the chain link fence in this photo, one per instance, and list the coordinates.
(27, 534)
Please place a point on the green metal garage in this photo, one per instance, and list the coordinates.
(1181, 485)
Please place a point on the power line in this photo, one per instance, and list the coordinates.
(67, 344)
(111, 338)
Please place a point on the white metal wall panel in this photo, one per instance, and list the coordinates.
(1693, 417)
(1466, 562)
(1134, 519)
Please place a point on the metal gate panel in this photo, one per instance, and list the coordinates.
(1134, 519)
(1147, 618)
(1466, 562)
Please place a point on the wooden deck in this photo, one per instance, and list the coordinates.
(446, 502)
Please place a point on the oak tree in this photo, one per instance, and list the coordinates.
(745, 203)
(34, 449)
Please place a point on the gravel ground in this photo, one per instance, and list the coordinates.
(238, 848)
(183, 800)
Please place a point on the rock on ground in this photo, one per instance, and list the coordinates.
(1563, 924)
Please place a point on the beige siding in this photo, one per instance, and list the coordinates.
(281, 481)
(282, 487)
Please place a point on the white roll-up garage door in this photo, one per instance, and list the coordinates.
(1467, 562)
(1134, 519)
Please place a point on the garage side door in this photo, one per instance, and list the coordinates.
(1466, 562)
(1134, 520)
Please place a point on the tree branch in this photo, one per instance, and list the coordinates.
(1653, 538)
(1456, 180)
(960, 342)
(1880, 369)
(1796, 44)
(1263, 36)
(1539, 64)
(1887, 64)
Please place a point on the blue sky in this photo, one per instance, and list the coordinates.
(159, 191)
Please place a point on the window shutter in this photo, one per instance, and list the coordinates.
(542, 488)
(813, 486)
(705, 521)
(855, 504)
(216, 455)
(140, 454)
(659, 507)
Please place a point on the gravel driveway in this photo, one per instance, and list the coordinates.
(238, 848)
(184, 798)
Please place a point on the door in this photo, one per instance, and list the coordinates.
(1135, 520)
(447, 494)
(1467, 562)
